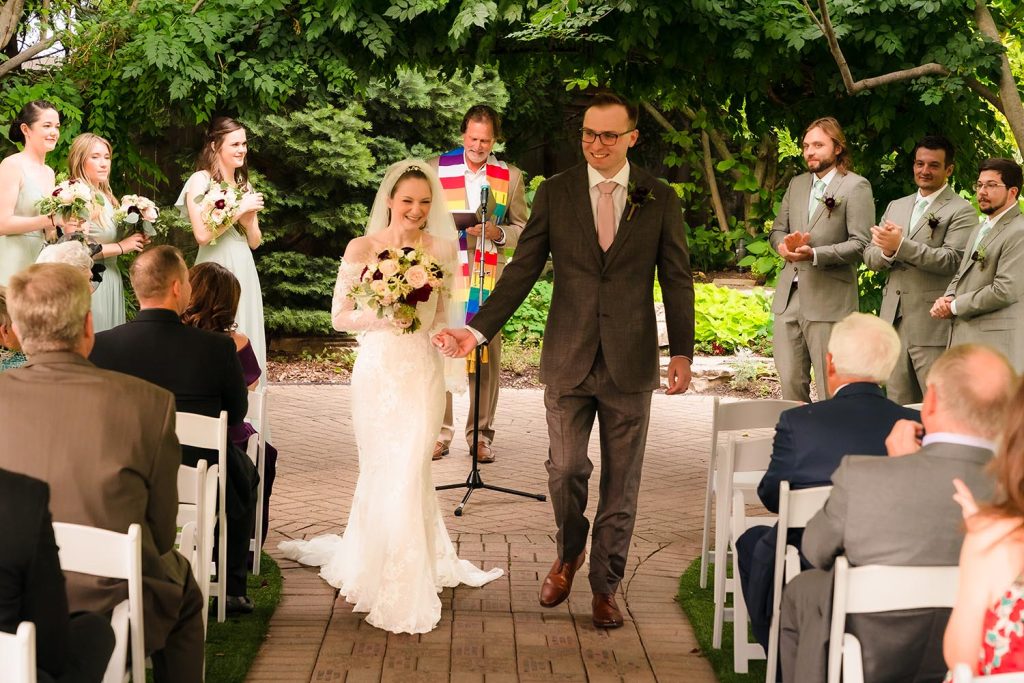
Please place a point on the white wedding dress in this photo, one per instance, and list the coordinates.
(395, 555)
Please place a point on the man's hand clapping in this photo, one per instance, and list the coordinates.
(796, 247)
(887, 237)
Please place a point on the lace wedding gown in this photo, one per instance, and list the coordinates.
(395, 555)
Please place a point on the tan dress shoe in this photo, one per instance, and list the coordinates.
(440, 450)
(484, 453)
(558, 582)
(606, 612)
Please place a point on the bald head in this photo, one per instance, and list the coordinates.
(969, 389)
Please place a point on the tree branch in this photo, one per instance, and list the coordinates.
(1009, 95)
(25, 55)
(985, 92)
(10, 15)
(709, 172)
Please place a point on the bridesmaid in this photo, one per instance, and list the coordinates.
(89, 161)
(24, 180)
(223, 159)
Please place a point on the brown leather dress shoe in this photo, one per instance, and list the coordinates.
(440, 450)
(606, 612)
(558, 582)
(484, 453)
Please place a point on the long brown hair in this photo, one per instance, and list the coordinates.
(831, 128)
(215, 296)
(207, 161)
(81, 147)
(1008, 466)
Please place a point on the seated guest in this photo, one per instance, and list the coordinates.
(898, 511)
(202, 370)
(214, 304)
(32, 588)
(111, 458)
(10, 355)
(73, 253)
(986, 629)
(811, 440)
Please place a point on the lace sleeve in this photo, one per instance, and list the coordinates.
(344, 315)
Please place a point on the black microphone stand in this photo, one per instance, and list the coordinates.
(474, 481)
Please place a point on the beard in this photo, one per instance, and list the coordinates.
(821, 165)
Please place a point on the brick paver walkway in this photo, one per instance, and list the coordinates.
(498, 632)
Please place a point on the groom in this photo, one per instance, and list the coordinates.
(607, 226)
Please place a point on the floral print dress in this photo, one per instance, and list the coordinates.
(1002, 647)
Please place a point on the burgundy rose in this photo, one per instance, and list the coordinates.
(407, 250)
(135, 209)
(420, 295)
(830, 203)
(383, 255)
(219, 204)
(55, 193)
(377, 275)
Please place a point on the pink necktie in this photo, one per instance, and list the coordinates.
(605, 214)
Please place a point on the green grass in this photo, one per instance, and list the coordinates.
(231, 647)
(699, 605)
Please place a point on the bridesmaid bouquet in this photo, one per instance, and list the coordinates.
(396, 283)
(136, 214)
(217, 207)
(70, 199)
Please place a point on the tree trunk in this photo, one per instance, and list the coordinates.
(1009, 95)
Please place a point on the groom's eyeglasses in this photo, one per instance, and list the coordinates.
(606, 137)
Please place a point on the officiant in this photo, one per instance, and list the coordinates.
(463, 172)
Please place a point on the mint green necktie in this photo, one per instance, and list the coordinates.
(919, 208)
(985, 228)
(816, 194)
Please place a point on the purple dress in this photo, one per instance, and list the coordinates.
(240, 433)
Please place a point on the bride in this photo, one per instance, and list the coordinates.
(395, 554)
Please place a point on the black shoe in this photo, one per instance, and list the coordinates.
(238, 604)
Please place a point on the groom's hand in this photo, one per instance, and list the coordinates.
(464, 339)
(678, 375)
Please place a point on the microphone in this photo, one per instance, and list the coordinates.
(485, 198)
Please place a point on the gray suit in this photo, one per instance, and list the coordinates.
(987, 293)
(918, 275)
(803, 323)
(889, 511)
(600, 354)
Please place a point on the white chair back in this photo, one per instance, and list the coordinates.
(877, 588)
(18, 654)
(914, 406)
(728, 416)
(740, 455)
(257, 451)
(962, 674)
(201, 431)
(104, 553)
(192, 509)
(796, 508)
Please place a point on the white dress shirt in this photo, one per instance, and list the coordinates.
(621, 179)
(475, 180)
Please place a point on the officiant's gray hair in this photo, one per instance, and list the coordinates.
(610, 99)
(48, 303)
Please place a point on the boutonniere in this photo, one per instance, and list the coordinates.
(637, 196)
(979, 257)
(933, 221)
(831, 202)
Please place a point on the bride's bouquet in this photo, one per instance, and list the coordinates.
(71, 198)
(136, 214)
(217, 207)
(396, 283)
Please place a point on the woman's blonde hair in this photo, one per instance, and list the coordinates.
(81, 146)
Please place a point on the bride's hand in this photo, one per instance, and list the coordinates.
(445, 343)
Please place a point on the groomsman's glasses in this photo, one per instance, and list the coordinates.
(606, 137)
(988, 187)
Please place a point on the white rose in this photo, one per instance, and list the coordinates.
(416, 276)
(67, 195)
(149, 213)
(217, 216)
(379, 287)
(388, 267)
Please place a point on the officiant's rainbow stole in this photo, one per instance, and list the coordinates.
(452, 173)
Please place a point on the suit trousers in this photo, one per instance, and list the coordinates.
(799, 344)
(490, 378)
(907, 382)
(90, 644)
(622, 422)
(181, 658)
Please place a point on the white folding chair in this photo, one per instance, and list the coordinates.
(914, 406)
(211, 433)
(18, 654)
(739, 456)
(257, 451)
(730, 417)
(192, 508)
(962, 674)
(877, 588)
(795, 510)
(104, 553)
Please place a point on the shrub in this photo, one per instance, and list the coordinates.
(526, 326)
(730, 319)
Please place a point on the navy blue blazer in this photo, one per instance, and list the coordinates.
(810, 440)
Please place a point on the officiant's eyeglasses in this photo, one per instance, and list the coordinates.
(606, 137)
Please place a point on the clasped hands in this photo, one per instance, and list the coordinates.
(888, 236)
(454, 343)
(796, 246)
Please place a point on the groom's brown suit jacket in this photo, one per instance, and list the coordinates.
(105, 443)
(601, 300)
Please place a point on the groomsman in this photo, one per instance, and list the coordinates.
(463, 172)
(920, 241)
(984, 297)
(822, 228)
